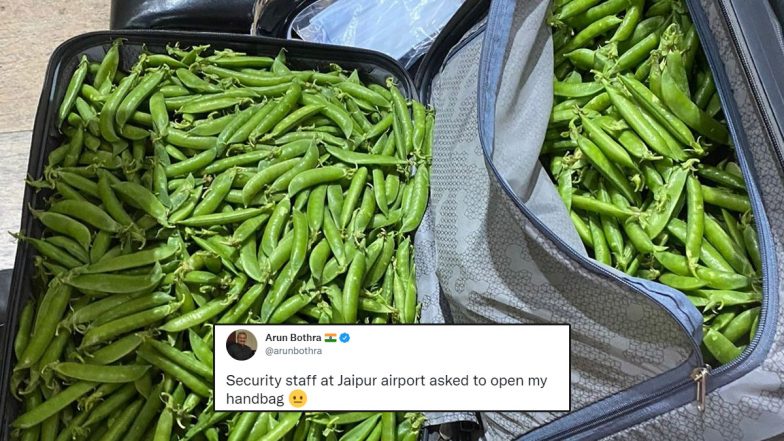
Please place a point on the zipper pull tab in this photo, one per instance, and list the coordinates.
(700, 376)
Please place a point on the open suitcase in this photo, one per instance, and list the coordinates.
(496, 246)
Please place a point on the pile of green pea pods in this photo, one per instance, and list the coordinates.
(643, 160)
(207, 187)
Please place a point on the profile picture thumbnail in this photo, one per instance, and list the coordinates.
(241, 344)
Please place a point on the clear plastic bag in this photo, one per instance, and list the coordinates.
(402, 29)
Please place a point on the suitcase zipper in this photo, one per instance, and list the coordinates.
(700, 376)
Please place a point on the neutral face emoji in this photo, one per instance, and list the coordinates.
(298, 398)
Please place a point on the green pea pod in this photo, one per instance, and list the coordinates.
(275, 226)
(24, 329)
(583, 230)
(752, 246)
(194, 82)
(685, 109)
(69, 245)
(212, 126)
(379, 190)
(352, 287)
(276, 114)
(187, 207)
(318, 259)
(709, 255)
(598, 239)
(650, 102)
(603, 9)
(695, 226)
(55, 253)
(595, 206)
(192, 164)
(278, 292)
(357, 158)
(216, 193)
(612, 231)
(72, 91)
(636, 120)
(217, 101)
(722, 349)
(235, 216)
(286, 422)
(353, 194)
(363, 93)
(721, 321)
(252, 157)
(595, 29)
(362, 430)
(309, 161)
(729, 297)
(419, 196)
(100, 374)
(234, 60)
(609, 170)
(724, 199)
(132, 260)
(265, 177)
(137, 195)
(317, 176)
(683, 283)
(364, 214)
(248, 228)
(659, 216)
(108, 68)
(245, 78)
(159, 114)
(577, 90)
(50, 310)
(65, 225)
(607, 144)
(183, 139)
(741, 325)
(380, 128)
(171, 368)
(716, 279)
(292, 120)
(110, 108)
(246, 301)
(316, 207)
(400, 108)
(332, 111)
(116, 350)
(631, 20)
(135, 97)
(116, 283)
(300, 247)
(571, 9)
(726, 246)
(53, 405)
(186, 360)
(721, 177)
(333, 238)
(291, 306)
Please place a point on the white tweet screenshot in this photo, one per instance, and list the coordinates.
(392, 368)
